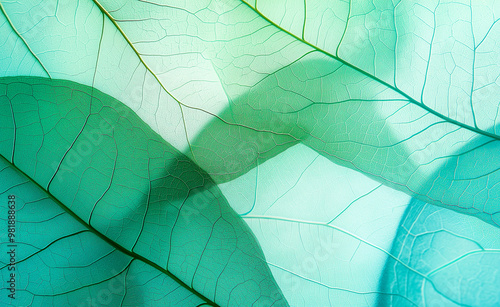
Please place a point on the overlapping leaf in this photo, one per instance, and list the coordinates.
(405, 92)
(443, 54)
(178, 66)
(122, 182)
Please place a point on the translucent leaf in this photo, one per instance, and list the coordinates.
(354, 81)
(404, 92)
(326, 230)
(445, 259)
(104, 167)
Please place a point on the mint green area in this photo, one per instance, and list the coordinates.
(326, 230)
(61, 262)
(19, 61)
(315, 100)
(443, 259)
(121, 180)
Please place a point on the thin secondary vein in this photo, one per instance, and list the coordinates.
(24, 41)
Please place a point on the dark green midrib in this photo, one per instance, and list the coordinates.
(111, 242)
(410, 99)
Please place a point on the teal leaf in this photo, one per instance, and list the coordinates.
(445, 259)
(117, 185)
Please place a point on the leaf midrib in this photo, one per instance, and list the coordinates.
(397, 90)
(108, 240)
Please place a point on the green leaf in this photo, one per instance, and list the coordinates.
(404, 92)
(96, 166)
(378, 97)
(69, 263)
(442, 54)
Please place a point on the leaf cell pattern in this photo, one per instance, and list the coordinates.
(250, 153)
